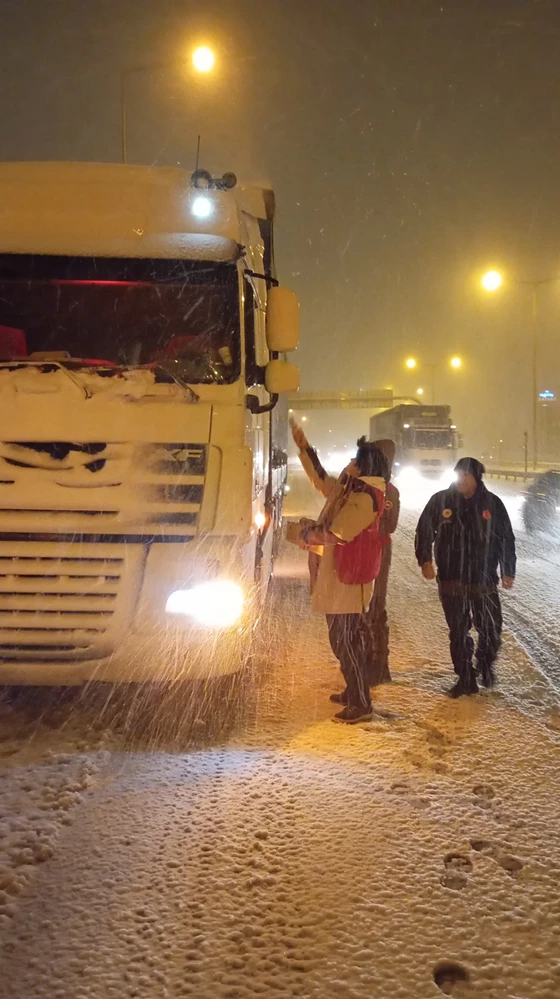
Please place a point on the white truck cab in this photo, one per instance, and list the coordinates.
(143, 423)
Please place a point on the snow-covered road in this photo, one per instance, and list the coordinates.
(248, 847)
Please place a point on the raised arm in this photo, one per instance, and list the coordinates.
(309, 459)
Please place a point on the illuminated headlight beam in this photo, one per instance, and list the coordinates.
(216, 604)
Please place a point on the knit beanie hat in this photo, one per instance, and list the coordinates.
(471, 465)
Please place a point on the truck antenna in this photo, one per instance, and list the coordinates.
(197, 153)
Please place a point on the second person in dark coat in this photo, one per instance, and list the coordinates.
(468, 531)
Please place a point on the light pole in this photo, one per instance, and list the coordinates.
(203, 61)
(492, 281)
(412, 364)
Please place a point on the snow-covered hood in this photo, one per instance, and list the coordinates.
(123, 383)
(47, 401)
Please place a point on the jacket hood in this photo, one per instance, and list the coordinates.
(376, 481)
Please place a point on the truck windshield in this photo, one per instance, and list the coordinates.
(429, 438)
(179, 314)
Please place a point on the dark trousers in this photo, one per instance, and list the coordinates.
(347, 638)
(377, 626)
(462, 612)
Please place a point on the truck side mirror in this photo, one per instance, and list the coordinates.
(282, 320)
(281, 377)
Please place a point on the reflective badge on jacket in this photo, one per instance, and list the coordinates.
(447, 513)
(486, 515)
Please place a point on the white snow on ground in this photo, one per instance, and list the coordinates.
(294, 857)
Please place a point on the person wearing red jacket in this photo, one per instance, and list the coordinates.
(349, 509)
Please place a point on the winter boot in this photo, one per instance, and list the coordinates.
(486, 674)
(339, 698)
(464, 686)
(353, 714)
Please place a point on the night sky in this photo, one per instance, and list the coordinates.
(411, 144)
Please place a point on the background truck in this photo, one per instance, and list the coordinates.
(143, 454)
(426, 440)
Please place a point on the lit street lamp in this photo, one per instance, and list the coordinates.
(412, 363)
(491, 282)
(203, 61)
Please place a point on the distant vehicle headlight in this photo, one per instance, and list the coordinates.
(216, 604)
(449, 477)
(409, 474)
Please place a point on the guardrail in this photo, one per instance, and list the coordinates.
(513, 474)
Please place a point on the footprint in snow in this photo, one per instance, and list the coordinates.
(509, 862)
(483, 796)
(417, 801)
(451, 978)
(457, 868)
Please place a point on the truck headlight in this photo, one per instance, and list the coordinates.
(448, 478)
(217, 604)
(409, 474)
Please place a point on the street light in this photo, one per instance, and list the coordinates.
(491, 282)
(203, 61)
(412, 363)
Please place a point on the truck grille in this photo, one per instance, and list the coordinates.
(101, 488)
(61, 601)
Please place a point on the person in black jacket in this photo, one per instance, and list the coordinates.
(469, 532)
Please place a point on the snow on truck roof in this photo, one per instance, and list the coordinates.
(122, 210)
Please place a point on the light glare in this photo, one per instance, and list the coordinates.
(492, 281)
(203, 59)
(217, 604)
(201, 207)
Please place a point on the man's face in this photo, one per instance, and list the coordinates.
(466, 483)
